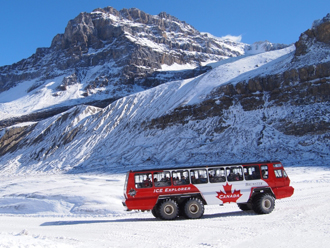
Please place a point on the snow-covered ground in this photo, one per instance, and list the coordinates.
(62, 210)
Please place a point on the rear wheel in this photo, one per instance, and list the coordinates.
(263, 204)
(194, 208)
(155, 211)
(168, 210)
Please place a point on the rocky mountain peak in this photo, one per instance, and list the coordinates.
(320, 32)
(135, 15)
(114, 53)
(79, 33)
(108, 54)
(103, 25)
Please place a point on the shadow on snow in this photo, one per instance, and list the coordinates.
(206, 216)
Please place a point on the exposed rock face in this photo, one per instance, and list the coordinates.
(320, 32)
(12, 137)
(296, 87)
(38, 116)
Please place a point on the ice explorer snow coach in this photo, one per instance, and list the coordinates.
(184, 191)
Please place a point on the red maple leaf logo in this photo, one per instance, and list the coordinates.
(229, 196)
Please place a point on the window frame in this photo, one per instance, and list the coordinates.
(179, 180)
(162, 179)
(252, 172)
(217, 176)
(264, 172)
(200, 178)
(237, 171)
(143, 183)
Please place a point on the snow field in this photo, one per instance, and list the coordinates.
(85, 211)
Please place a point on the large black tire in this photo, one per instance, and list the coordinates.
(194, 208)
(155, 211)
(244, 206)
(168, 210)
(263, 204)
(181, 209)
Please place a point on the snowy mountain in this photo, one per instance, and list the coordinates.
(105, 55)
(256, 106)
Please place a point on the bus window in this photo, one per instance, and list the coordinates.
(180, 177)
(234, 173)
(278, 173)
(264, 171)
(252, 172)
(217, 175)
(198, 176)
(143, 180)
(162, 179)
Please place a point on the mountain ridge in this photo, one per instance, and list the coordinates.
(107, 54)
(264, 106)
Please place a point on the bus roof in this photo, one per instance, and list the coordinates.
(202, 166)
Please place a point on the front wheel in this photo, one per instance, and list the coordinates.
(168, 210)
(263, 204)
(244, 206)
(194, 208)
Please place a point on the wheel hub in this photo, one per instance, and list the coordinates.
(267, 204)
(193, 209)
(169, 210)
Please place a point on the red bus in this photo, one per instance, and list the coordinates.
(184, 191)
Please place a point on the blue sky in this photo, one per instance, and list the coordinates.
(29, 24)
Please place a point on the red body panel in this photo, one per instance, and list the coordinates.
(146, 198)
